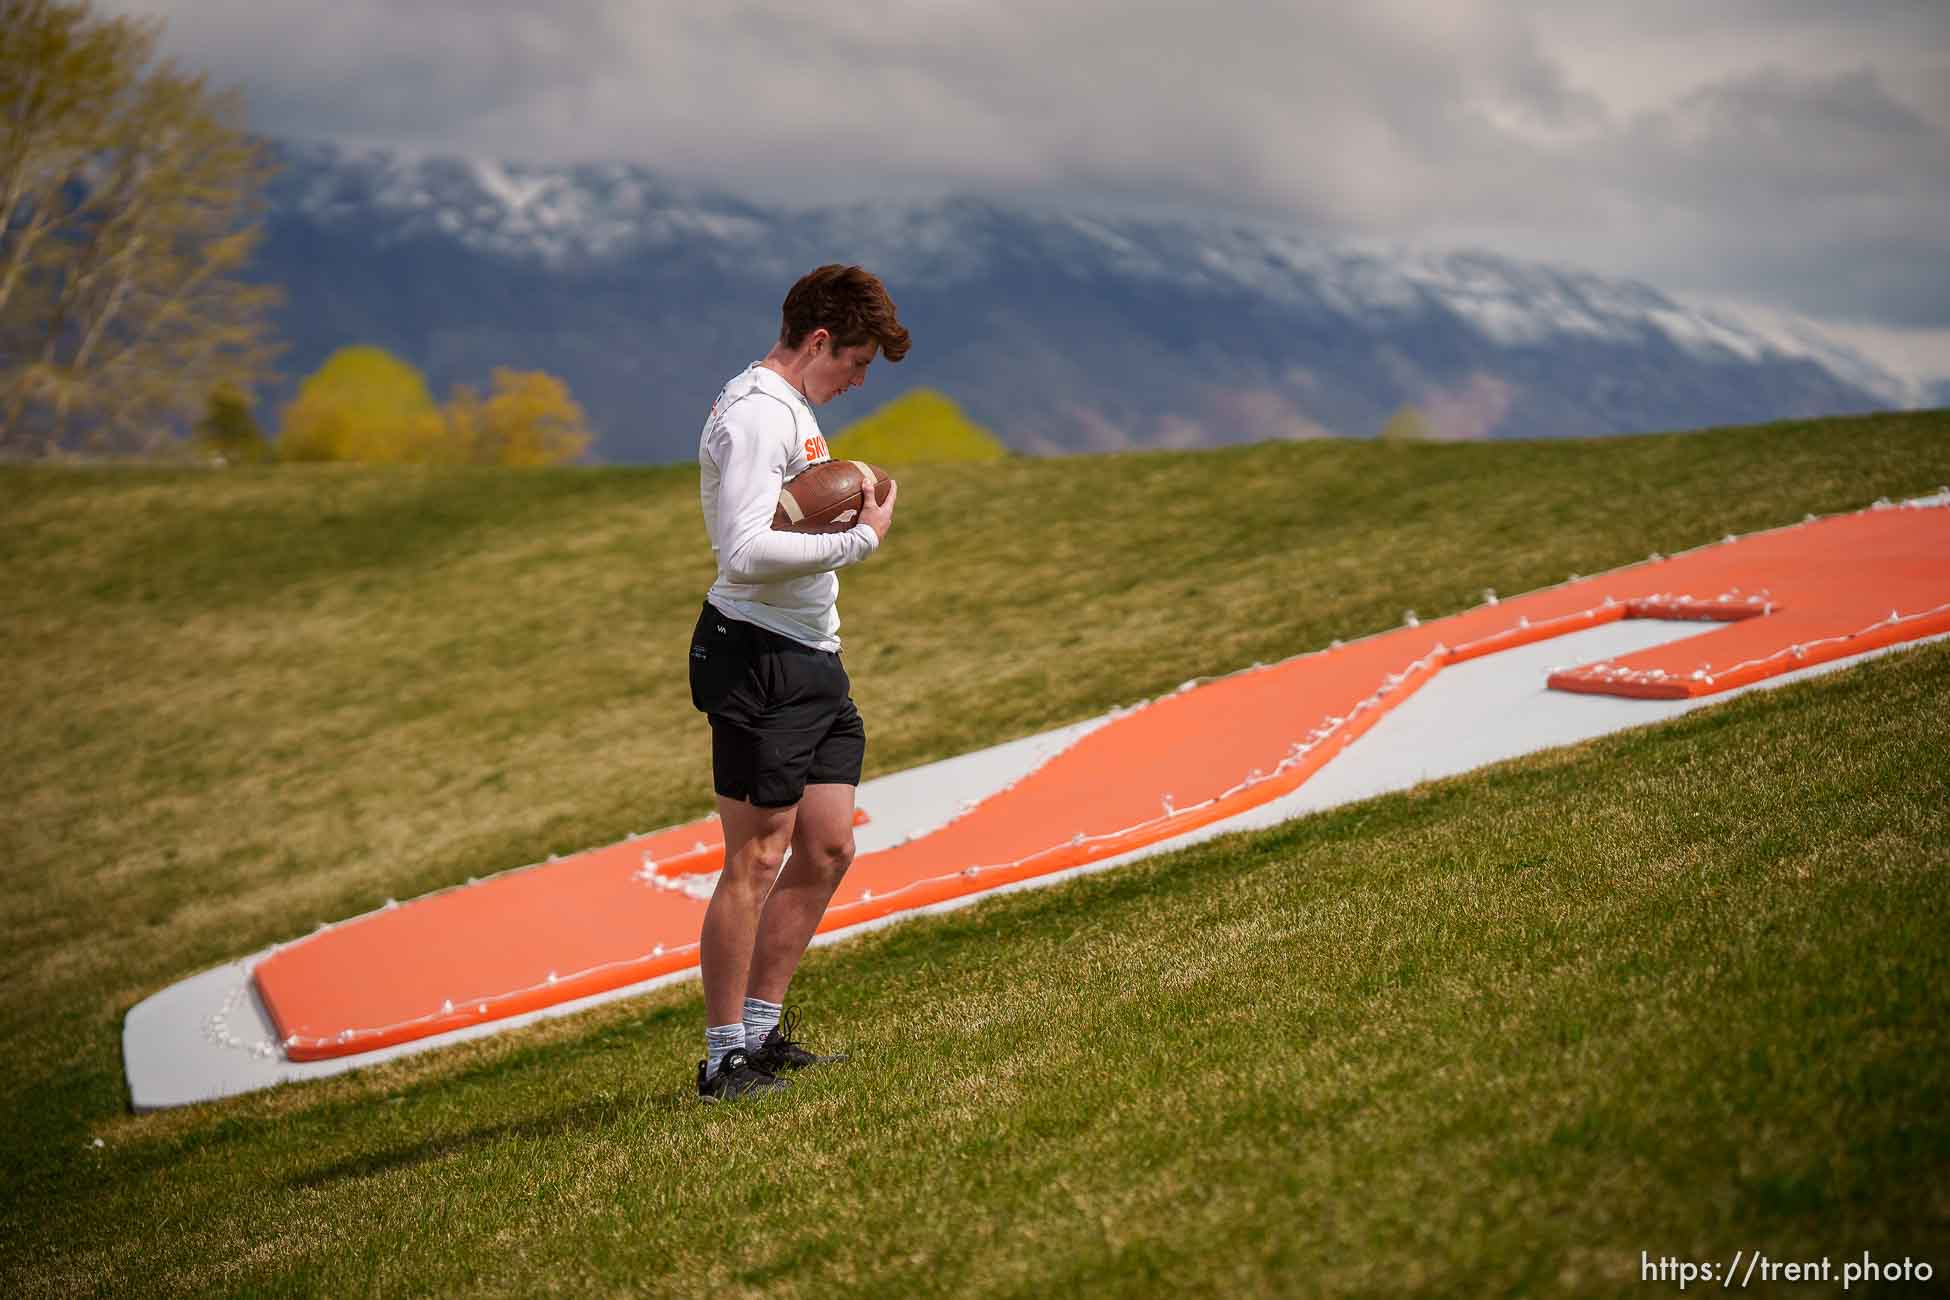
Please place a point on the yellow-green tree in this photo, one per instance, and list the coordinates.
(1406, 425)
(529, 419)
(128, 202)
(364, 404)
(919, 425)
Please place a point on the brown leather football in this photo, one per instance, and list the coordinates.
(826, 498)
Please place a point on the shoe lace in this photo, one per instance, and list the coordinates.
(784, 1035)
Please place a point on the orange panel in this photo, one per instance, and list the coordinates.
(618, 915)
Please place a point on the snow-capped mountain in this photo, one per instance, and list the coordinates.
(1060, 330)
(558, 217)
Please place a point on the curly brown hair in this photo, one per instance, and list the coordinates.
(849, 303)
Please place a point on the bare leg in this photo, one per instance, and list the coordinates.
(822, 850)
(755, 841)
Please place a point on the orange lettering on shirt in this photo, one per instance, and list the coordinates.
(816, 448)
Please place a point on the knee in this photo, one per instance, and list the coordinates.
(830, 860)
(754, 867)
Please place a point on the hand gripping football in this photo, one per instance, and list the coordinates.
(826, 498)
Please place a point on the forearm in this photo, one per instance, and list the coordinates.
(770, 555)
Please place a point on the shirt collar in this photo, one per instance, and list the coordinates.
(778, 384)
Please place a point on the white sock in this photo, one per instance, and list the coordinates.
(760, 1016)
(718, 1040)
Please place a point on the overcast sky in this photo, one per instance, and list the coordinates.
(1792, 154)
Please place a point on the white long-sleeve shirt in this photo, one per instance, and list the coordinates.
(760, 433)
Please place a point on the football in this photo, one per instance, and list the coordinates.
(826, 498)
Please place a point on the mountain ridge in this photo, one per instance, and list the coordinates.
(1060, 330)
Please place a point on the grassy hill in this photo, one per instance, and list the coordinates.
(1681, 990)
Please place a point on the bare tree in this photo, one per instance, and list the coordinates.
(128, 206)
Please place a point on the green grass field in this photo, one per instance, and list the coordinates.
(1683, 990)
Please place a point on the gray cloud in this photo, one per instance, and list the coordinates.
(1826, 189)
(1780, 151)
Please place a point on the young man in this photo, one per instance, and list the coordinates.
(786, 741)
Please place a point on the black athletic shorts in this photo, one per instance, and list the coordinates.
(782, 714)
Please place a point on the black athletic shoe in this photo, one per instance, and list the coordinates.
(780, 1051)
(736, 1078)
